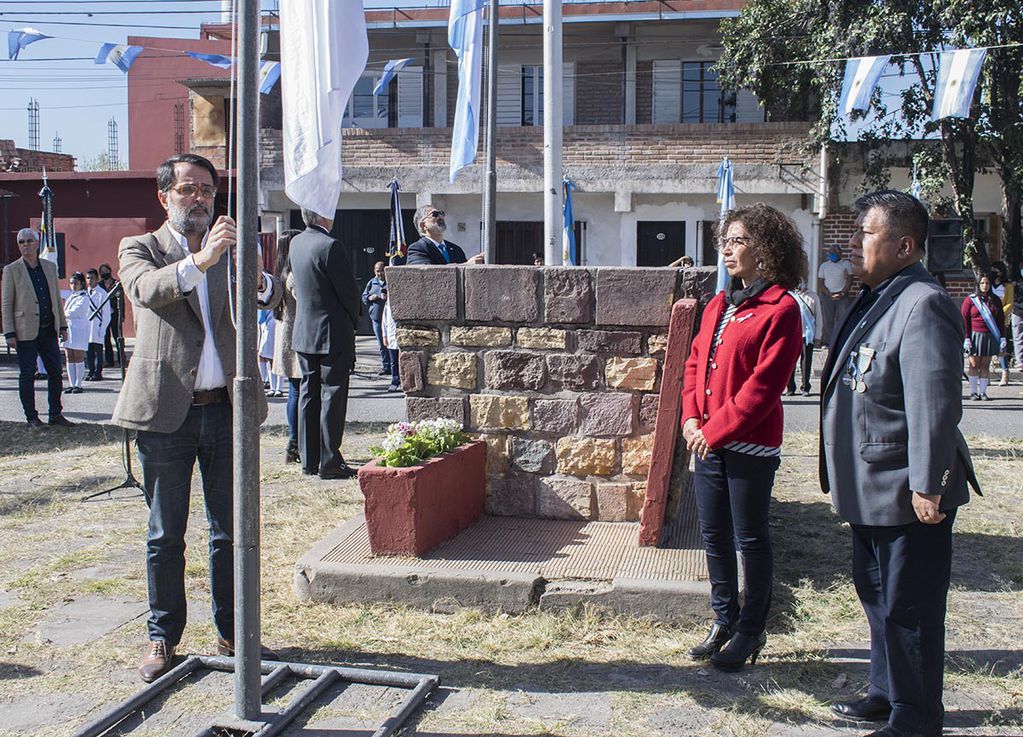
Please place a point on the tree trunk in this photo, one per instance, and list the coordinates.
(1012, 228)
(959, 148)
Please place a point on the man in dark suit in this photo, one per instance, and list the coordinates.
(432, 248)
(894, 461)
(326, 315)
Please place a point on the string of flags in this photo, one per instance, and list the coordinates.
(124, 55)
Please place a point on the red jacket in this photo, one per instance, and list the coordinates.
(974, 323)
(738, 397)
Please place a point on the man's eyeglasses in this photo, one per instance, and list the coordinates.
(186, 189)
(25, 243)
(437, 214)
(732, 242)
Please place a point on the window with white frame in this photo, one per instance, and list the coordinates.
(400, 105)
(520, 94)
(689, 92)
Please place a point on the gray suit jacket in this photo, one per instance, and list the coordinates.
(327, 298)
(901, 434)
(158, 386)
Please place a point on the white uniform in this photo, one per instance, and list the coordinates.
(76, 310)
(98, 326)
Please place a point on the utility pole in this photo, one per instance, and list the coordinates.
(113, 156)
(490, 188)
(553, 216)
(33, 124)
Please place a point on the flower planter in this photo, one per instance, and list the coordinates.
(412, 509)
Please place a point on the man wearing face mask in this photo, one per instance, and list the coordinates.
(107, 281)
(432, 248)
(835, 278)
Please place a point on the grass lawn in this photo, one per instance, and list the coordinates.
(73, 593)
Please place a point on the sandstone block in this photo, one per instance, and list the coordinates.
(514, 370)
(502, 294)
(635, 296)
(532, 456)
(567, 295)
(430, 408)
(581, 456)
(564, 498)
(497, 451)
(511, 496)
(656, 344)
(605, 414)
(635, 501)
(452, 369)
(418, 337)
(648, 411)
(613, 502)
(496, 411)
(554, 415)
(698, 283)
(541, 338)
(636, 454)
(410, 369)
(423, 293)
(573, 371)
(619, 342)
(631, 373)
(480, 337)
(451, 408)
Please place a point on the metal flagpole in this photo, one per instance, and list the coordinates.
(553, 216)
(246, 428)
(490, 190)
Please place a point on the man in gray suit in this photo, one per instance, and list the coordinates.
(327, 311)
(894, 461)
(178, 393)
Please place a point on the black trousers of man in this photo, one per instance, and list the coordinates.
(322, 407)
(94, 361)
(902, 575)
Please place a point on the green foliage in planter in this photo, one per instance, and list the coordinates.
(411, 443)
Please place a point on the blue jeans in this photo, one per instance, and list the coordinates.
(291, 410)
(46, 349)
(733, 496)
(167, 460)
(395, 379)
(385, 354)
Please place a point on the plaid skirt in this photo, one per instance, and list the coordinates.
(984, 344)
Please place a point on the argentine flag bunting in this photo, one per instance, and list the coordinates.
(20, 38)
(958, 72)
(393, 67)
(861, 76)
(269, 73)
(217, 60)
(120, 55)
(465, 37)
(725, 198)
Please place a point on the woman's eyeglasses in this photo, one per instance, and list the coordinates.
(732, 242)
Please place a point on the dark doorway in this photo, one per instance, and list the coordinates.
(708, 252)
(519, 242)
(658, 243)
(364, 233)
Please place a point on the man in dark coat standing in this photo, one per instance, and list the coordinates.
(432, 248)
(326, 315)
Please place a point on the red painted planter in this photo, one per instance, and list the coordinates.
(411, 510)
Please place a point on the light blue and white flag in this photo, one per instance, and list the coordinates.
(390, 70)
(915, 188)
(725, 198)
(465, 37)
(269, 73)
(20, 38)
(217, 60)
(861, 76)
(958, 72)
(570, 253)
(120, 55)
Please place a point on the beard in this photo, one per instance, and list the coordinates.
(189, 221)
(440, 227)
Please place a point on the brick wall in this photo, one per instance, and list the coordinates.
(557, 369)
(599, 96)
(13, 158)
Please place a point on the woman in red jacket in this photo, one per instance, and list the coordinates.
(749, 340)
(984, 321)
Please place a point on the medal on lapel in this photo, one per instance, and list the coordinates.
(860, 362)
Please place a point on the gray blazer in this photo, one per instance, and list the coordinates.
(158, 386)
(901, 434)
(327, 298)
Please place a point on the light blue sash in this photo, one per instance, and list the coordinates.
(989, 319)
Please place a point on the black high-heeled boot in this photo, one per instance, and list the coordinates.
(717, 637)
(733, 656)
(291, 453)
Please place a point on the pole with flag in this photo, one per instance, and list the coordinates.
(47, 235)
(465, 33)
(397, 248)
(570, 252)
(725, 198)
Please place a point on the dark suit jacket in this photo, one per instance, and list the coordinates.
(424, 252)
(326, 296)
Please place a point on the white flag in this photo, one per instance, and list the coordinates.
(957, 78)
(323, 53)
(465, 37)
(861, 76)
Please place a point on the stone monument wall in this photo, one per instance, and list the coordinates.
(557, 369)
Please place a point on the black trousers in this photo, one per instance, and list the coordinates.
(902, 576)
(94, 359)
(44, 347)
(733, 497)
(322, 406)
(806, 366)
(110, 344)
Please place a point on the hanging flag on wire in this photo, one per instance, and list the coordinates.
(20, 38)
(269, 73)
(465, 37)
(725, 198)
(569, 255)
(958, 72)
(120, 55)
(390, 70)
(217, 60)
(397, 248)
(861, 77)
(914, 186)
(323, 52)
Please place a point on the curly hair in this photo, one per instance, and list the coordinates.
(774, 241)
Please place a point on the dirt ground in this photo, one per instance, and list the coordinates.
(73, 609)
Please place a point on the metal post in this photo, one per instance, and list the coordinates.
(246, 452)
(553, 217)
(490, 189)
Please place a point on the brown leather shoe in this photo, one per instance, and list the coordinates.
(156, 661)
(226, 647)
